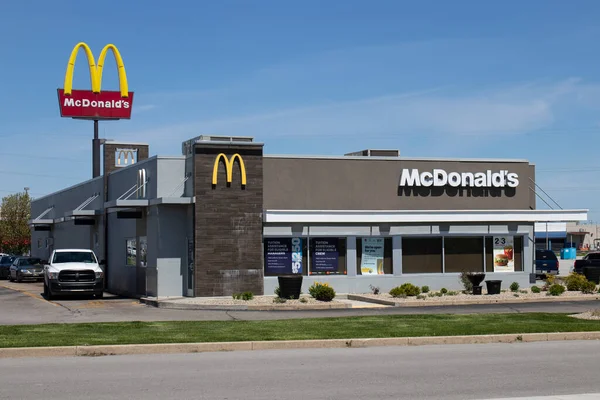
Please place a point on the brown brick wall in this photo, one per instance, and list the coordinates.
(228, 226)
(109, 158)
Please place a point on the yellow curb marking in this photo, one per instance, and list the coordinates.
(26, 293)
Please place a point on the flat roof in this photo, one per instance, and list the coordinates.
(400, 158)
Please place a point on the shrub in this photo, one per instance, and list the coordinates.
(421, 297)
(406, 288)
(535, 289)
(464, 279)
(425, 289)
(439, 294)
(374, 289)
(588, 287)
(516, 294)
(575, 281)
(452, 293)
(237, 296)
(279, 300)
(430, 294)
(247, 296)
(523, 291)
(549, 282)
(303, 300)
(556, 290)
(443, 290)
(514, 287)
(277, 292)
(321, 291)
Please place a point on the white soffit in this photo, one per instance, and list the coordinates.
(422, 216)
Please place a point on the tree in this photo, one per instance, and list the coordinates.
(15, 236)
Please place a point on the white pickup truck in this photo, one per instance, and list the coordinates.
(73, 271)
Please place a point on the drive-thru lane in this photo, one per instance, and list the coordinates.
(23, 303)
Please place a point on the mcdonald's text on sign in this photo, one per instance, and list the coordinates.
(95, 103)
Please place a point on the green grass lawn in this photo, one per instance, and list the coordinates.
(321, 328)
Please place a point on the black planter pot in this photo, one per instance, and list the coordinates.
(493, 286)
(477, 290)
(290, 286)
(476, 278)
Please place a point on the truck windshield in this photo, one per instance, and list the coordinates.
(74, 256)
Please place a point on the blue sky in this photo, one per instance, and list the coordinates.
(510, 79)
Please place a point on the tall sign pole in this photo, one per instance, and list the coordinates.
(96, 152)
(95, 104)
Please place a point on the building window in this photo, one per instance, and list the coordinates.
(374, 256)
(39, 243)
(327, 256)
(284, 256)
(131, 252)
(463, 253)
(504, 255)
(143, 248)
(422, 255)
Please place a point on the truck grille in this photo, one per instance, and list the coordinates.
(77, 276)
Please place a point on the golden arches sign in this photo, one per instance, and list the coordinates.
(126, 155)
(96, 70)
(229, 168)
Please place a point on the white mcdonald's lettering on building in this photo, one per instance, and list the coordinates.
(439, 177)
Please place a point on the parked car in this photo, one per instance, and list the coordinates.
(73, 271)
(30, 268)
(5, 263)
(589, 260)
(546, 262)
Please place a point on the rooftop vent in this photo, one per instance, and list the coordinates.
(186, 147)
(375, 153)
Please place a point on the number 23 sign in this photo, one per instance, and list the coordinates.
(503, 254)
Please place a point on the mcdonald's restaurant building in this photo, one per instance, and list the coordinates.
(223, 217)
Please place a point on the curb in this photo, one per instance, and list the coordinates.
(173, 348)
(188, 306)
(425, 303)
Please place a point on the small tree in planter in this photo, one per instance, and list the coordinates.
(472, 281)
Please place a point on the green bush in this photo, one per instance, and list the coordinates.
(406, 288)
(425, 289)
(279, 300)
(321, 291)
(303, 300)
(431, 294)
(443, 290)
(575, 281)
(247, 296)
(514, 287)
(421, 297)
(277, 292)
(237, 296)
(588, 287)
(556, 290)
(464, 279)
(535, 289)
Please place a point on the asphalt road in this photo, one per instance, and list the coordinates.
(24, 304)
(422, 372)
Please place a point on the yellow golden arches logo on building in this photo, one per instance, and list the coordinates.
(229, 168)
(96, 70)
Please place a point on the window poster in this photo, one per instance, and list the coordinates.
(283, 256)
(503, 251)
(372, 256)
(324, 256)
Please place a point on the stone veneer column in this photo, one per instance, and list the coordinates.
(228, 221)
